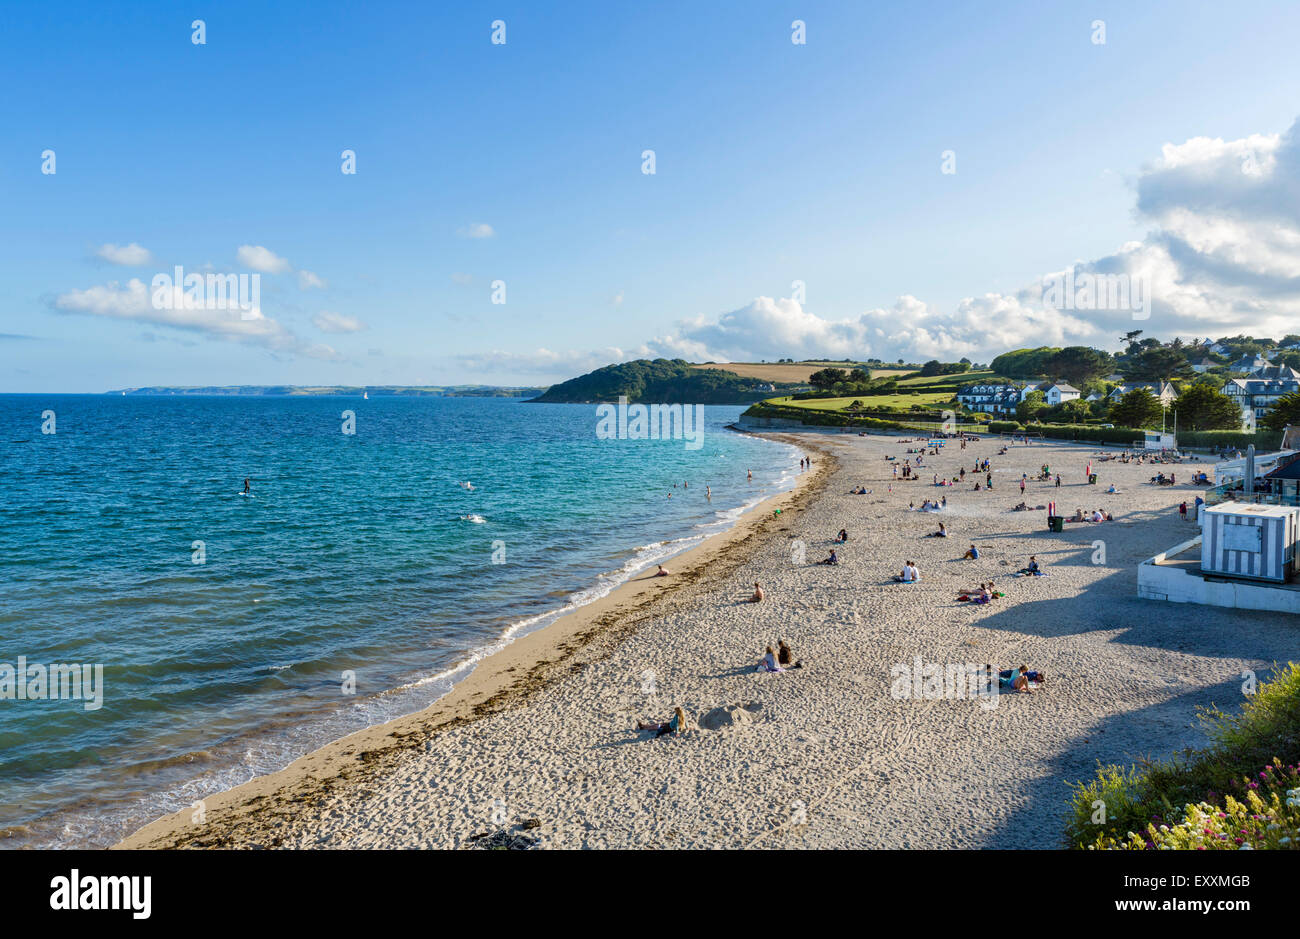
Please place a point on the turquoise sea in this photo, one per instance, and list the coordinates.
(225, 623)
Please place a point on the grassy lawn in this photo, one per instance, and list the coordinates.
(965, 378)
(897, 402)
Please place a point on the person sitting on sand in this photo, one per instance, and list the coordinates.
(758, 593)
(1078, 515)
(785, 657)
(1031, 567)
(662, 572)
(768, 662)
(832, 558)
(941, 533)
(1108, 516)
(972, 554)
(676, 725)
(1020, 679)
(843, 536)
(1112, 490)
(909, 574)
(1098, 515)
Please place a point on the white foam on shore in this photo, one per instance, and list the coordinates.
(272, 750)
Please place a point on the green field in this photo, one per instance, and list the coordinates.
(965, 378)
(894, 402)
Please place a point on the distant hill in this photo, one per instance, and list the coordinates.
(794, 372)
(378, 391)
(661, 381)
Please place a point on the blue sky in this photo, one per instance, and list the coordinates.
(775, 162)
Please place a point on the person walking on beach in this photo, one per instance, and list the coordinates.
(1022, 485)
(1058, 480)
(1182, 510)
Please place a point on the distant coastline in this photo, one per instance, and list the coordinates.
(440, 391)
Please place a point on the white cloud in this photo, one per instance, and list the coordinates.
(546, 363)
(462, 280)
(479, 230)
(131, 255)
(134, 302)
(1223, 257)
(328, 322)
(307, 280)
(262, 259)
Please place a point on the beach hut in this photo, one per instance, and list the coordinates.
(1248, 541)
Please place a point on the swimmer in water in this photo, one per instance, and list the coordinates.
(749, 474)
(708, 493)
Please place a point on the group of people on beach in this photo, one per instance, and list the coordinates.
(779, 658)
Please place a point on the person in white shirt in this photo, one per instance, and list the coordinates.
(909, 574)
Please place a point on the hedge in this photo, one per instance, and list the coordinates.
(1263, 440)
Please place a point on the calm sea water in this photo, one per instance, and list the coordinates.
(401, 553)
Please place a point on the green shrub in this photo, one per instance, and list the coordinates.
(1244, 789)
(1263, 440)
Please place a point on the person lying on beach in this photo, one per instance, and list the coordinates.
(785, 657)
(1022, 507)
(662, 572)
(758, 593)
(768, 662)
(972, 554)
(830, 559)
(1016, 681)
(676, 725)
(909, 574)
(843, 536)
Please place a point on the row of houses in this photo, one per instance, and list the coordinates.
(1003, 397)
(1255, 394)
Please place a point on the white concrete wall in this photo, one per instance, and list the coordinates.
(1178, 585)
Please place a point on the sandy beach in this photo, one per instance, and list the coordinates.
(539, 743)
